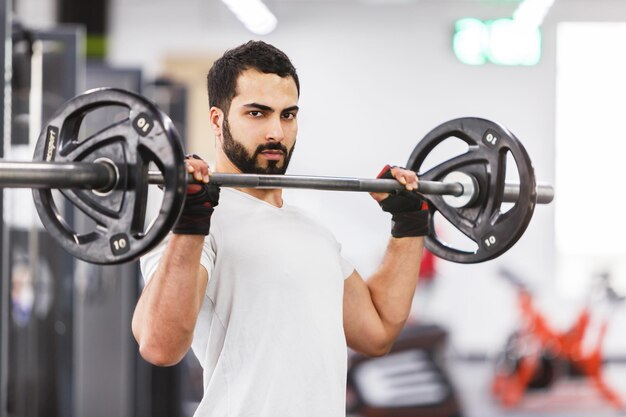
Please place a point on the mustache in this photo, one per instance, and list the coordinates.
(272, 146)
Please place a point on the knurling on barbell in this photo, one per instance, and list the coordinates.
(105, 174)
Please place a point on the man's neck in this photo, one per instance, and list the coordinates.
(270, 196)
(273, 197)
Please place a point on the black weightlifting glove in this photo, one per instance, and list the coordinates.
(195, 218)
(409, 210)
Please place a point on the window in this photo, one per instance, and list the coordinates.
(590, 214)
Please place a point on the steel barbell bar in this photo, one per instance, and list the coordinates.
(102, 176)
(545, 193)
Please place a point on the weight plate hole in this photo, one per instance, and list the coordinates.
(512, 177)
(100, 119)
(154, 200)
(451, 236)
(447, 149)
(75, 221)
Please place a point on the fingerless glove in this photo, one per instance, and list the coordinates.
(409, 210)
(195, 218)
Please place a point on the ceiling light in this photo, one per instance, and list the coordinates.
(254, 15)
(531, 13)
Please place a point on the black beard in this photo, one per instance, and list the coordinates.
(246, 163)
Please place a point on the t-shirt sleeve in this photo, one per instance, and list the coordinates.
(207, 257)
(346, 268)
(149, 262)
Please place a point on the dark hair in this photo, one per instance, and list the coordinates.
(258, 55)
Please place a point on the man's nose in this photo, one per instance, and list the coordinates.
(275, 130)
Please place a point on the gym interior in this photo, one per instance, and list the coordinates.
(534, 330)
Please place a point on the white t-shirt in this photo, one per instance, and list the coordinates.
(270, 332)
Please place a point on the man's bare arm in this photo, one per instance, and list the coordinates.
(166, 313)
(375, 311)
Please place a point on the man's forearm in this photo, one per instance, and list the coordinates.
(167, 310)
(392, 287)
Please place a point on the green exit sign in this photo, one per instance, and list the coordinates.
(500, 41)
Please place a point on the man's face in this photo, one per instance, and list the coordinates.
(259, 132)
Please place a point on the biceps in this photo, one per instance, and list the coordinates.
(362, 323)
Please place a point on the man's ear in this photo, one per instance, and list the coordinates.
(216, 118)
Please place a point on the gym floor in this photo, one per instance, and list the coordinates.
(566, 398)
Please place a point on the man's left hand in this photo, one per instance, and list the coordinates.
(409, 210)
(404, 176)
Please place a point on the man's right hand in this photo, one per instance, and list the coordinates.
(202, 197)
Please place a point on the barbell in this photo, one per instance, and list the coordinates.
(100, 148)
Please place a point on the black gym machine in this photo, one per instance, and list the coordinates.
(76, 355)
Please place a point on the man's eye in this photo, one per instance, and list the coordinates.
(255, 113)
(289, 116)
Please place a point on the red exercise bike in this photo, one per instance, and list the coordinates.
(536, 354)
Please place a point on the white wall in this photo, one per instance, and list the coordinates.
(375, 79)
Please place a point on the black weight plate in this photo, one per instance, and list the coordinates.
(138, 135)
(484, 222)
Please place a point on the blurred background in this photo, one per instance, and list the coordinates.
(376, 76)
